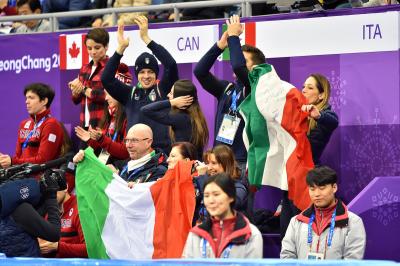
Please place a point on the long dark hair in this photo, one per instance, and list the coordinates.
(120, 117)
(200, 133)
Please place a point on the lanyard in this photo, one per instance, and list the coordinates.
(331, 228)
(32, 132)
(225, 255)
(133, 172)
(114, 136)
(235, 98)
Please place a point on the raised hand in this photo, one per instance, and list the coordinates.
(234, 26)
(82, 133)
(312, 111)
(123, 42)
(95, 134)
(182, 102)
(223, 41)
(143, 24)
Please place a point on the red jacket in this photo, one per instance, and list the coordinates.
(72, 243)
(96, 101)
(44, 145)
(117, 148)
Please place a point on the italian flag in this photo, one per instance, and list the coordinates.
(151, 220)
(275, 135)
(248, 37)
(73, 53)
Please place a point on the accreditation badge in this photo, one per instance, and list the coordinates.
(103, 156)
(228, 129)
(315, 256)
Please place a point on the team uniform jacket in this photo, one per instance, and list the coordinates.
(44, 144)
(348, 240)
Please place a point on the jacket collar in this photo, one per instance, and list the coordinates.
(341, 220)
(241, 232)
(102, 62)
(36, 118)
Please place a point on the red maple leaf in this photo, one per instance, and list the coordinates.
(74, 51)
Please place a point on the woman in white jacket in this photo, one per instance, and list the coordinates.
(225, 233)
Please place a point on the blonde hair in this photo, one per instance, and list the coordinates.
(323, 87)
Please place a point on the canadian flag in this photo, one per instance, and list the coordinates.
(73, 53)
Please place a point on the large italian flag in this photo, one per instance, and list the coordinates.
(275, 135)
(151, 220)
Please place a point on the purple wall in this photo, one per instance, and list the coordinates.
(365, 94)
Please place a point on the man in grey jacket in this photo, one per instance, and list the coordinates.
(327, 229)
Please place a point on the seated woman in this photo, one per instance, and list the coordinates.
(221, 159)
(181, 110)
(181, 151)
(225, 233)
(108, 139)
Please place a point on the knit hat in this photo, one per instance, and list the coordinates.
(146, 60)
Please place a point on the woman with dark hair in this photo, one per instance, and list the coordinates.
(181, 110)
(225, 233)
(181, 151)
(322, 120)
(108, 139)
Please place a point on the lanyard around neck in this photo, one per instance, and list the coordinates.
(225, 254)
(331, 229)
(25, 144)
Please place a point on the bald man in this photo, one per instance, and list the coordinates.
(145, 164)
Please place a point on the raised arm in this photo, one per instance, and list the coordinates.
(202, 72)
(170, 74)
(160, 111)
(117, 89)
(238, 61)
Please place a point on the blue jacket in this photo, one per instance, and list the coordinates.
(134, 98)
(151, 171)
(15, 242)
(320, 135)
(223, 89)
(20, 230)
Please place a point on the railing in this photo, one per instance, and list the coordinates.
(53, 17)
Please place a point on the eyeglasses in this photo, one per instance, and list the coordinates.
(133, 140)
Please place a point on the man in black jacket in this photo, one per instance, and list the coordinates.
(230, 94)
(148, 89)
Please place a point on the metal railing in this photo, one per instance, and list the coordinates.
(176, 7)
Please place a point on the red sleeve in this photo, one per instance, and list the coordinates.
(116, 148)
(48, 150)
(18, 148)
(70, 250)
(93, 143)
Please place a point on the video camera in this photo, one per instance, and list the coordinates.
(17, 184)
